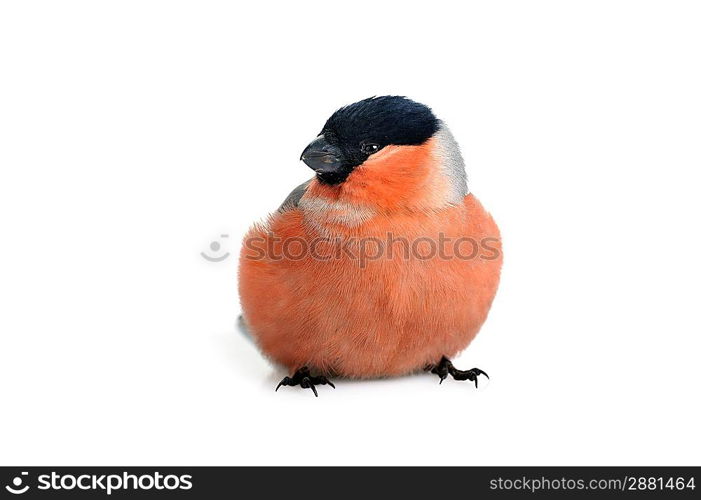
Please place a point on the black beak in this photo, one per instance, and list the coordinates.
(325, 159)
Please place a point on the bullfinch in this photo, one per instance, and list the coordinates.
(382, 264)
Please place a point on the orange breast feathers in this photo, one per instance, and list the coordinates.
(377, 276)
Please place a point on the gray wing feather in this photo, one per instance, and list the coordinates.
(243, 328)
(293, 198)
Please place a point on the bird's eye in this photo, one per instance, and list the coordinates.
(369, 147)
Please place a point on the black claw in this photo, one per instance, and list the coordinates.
(284, 381)
(441, 370)
(445, 367)
(305, 380)
(310, 385)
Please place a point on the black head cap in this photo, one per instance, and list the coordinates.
(358, 130)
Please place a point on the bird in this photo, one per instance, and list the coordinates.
(383, 264)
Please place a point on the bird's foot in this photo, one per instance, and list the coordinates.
(445, 368)
(304, 379)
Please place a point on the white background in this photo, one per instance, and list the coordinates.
(132, 134)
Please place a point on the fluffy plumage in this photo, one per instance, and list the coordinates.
(389, 315)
